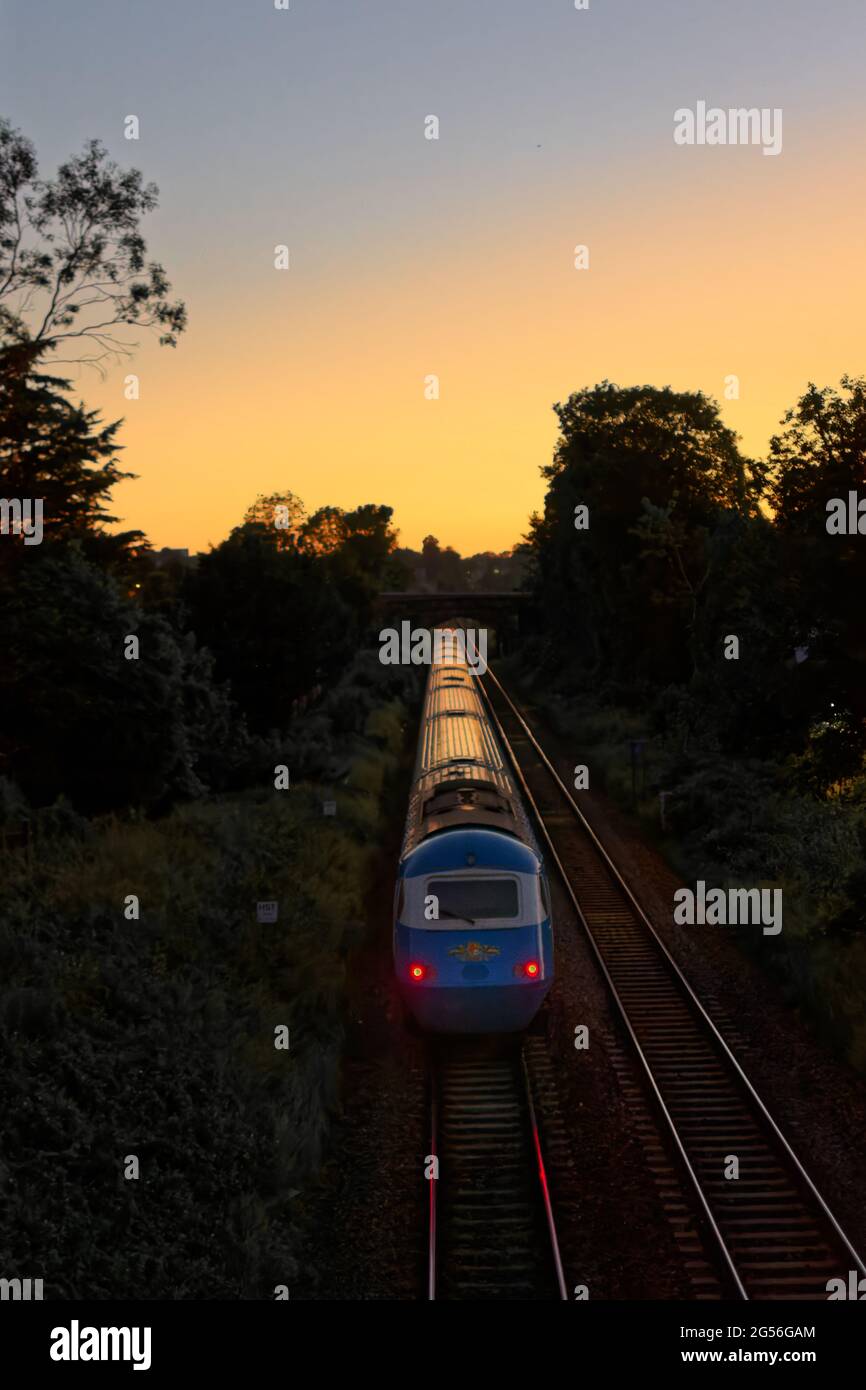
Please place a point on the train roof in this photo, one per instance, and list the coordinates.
(460, 778)
(459, 849)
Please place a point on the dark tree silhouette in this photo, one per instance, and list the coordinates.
(79, 718)
(73, 262)
(61, 453)
(654, 468)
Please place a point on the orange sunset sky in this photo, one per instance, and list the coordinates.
(455, 257)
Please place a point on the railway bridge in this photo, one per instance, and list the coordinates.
(504, 611)
(428, 609)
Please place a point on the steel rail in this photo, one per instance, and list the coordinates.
(697, 1007)
(545, 1189)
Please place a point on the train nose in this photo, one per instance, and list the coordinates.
(474, 971)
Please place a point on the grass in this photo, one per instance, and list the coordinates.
(154, 1036)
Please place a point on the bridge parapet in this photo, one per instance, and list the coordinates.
(427, 609)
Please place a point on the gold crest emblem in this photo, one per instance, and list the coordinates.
(473, 950)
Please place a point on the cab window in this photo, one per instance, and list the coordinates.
(474, 899)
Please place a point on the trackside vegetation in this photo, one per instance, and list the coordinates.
(704, 636)
(154, 1038)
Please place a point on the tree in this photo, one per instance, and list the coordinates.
(286, 611)
(73, 262)
(324, 532)
(273, 620)
(63, 455)
(73, 269)
(820, 455)
(360, 549)
(279, 514)
(664, 536)
(621, 591)
(77, 717)
(431, 554)
(494, 571)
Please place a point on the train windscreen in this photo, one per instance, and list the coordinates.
(474, 899)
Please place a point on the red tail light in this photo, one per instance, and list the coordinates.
(417, 972)
(530, 969)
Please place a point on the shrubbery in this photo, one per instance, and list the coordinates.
(156, 1037)
(739, 821)
(706, 609)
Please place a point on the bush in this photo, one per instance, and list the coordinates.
(744, 821)
(154, 1037)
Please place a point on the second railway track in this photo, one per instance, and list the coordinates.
(769, 1231)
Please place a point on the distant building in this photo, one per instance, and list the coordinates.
(173, 556)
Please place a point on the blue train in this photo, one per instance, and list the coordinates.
(473, 937)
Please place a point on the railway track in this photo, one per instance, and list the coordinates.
(492, 1233)
(768, 1232)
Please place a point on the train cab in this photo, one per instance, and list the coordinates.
(473, 947)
